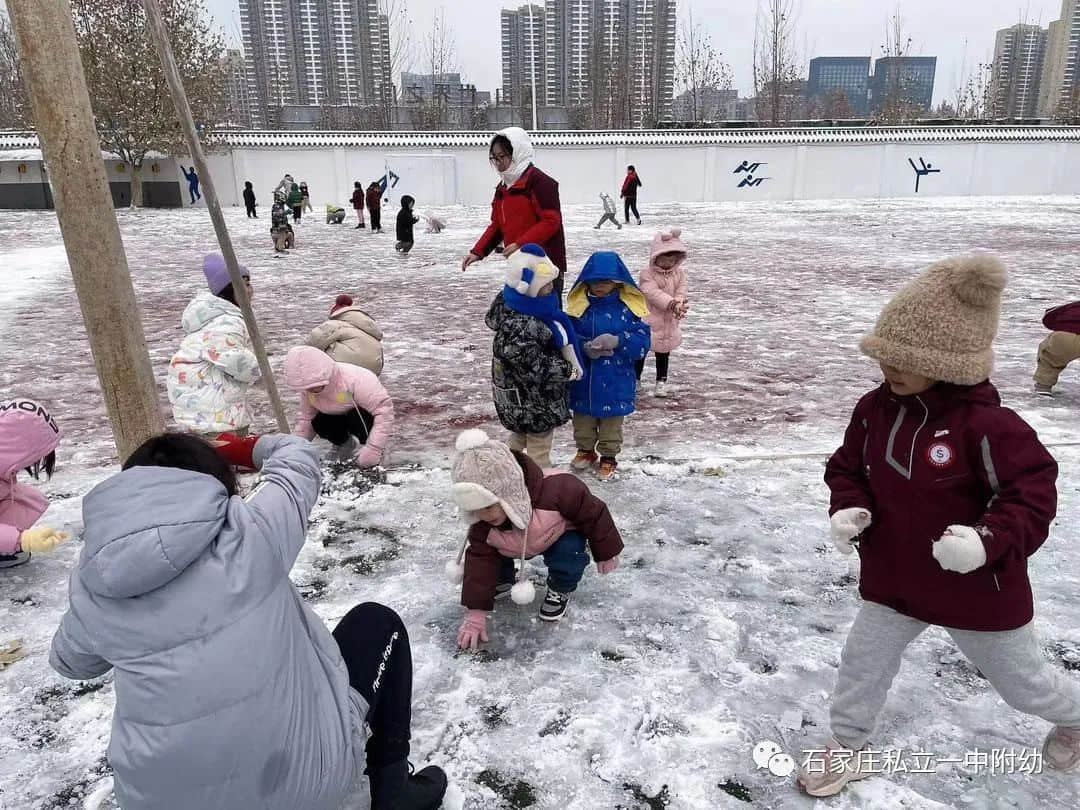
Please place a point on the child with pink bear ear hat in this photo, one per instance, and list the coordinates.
(664, 285)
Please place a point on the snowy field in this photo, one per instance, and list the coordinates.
(723, 627)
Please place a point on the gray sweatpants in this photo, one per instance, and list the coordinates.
(1011, 660)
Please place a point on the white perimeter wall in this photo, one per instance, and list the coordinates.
(689, 173)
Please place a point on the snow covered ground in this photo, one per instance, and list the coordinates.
(724, 626)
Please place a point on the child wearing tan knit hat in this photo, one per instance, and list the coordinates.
(516, 509)
(945, 494)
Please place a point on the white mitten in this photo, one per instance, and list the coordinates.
(847, 524)
(960, 549)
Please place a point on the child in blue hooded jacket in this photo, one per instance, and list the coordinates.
(607, 310)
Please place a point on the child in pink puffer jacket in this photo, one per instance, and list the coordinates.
(28, 440)
(664, 285)
(339, 401)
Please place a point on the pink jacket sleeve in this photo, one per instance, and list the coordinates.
(303, 421)
(659, 301)
(370, 395)
(680, 283)
(9, 539)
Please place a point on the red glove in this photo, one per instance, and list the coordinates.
(237, 450)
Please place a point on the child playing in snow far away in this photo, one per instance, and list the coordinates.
(405, 222)
(607, 309)
(358, 200)
(280, 229)
(609, 212)
(249, 200)
(946, 494)
(335, 214)
(515, 509)
(295, 201)
(1059, 348)
(664, 285)
(342, 403)
(535, 354)
(29, 437)
(210, 374)
(306, 194)
(230, 692)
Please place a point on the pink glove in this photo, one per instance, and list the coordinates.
(607, 566)
(473, 630)
(368, 456)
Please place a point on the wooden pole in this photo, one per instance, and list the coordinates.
(64, 119)
(159, 33)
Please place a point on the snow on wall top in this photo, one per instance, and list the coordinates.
(803, 135)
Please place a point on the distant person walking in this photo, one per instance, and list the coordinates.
(373, 198)
(358, 203)
(249, 200)
(609, 212)
(193, 183)
(526, 205)
(629, 194)
(307, 196)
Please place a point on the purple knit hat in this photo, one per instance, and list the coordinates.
(217, 274)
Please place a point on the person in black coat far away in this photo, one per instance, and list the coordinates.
(249, 200)
(405, 222)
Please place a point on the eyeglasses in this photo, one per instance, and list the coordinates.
(495, 160)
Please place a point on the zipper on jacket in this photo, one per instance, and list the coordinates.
(996, 583)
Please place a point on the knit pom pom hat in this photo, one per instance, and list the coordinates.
(486, 473)
(942, 324)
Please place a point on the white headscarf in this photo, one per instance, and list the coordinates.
(523, 154)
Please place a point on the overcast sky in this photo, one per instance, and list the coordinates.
(959, 32)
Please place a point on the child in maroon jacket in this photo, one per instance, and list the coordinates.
(1059, 348)
(945, 494)
(515, 509)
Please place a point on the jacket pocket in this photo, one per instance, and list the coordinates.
(507, 397)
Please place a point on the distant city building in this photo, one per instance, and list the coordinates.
(849, 75)
(315, 53)
(524, 52)
(907, 80)
(713, 104)
(237, 96)
(1019, 55)
(1061, 68)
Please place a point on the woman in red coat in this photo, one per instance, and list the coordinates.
(526, 205)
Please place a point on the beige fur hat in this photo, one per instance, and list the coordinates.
(942, 323)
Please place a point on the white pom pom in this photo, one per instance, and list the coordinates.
(455, 571)
(522, 287)
(523, 592)
(471, 439)
(676, 232)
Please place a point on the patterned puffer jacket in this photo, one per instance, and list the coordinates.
(209, 376)
(530, 379)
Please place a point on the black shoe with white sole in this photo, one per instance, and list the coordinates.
(12, 560)
(554, 605)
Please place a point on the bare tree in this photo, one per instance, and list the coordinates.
(974, 97)
(133, 110)
(439, 58)
(777, 67)
(15, 112)
(700, 73)
(396, 29)
(834, 105)
(898, 104)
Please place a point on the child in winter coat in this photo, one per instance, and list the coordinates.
(515, 509)
(373, 198)
(249, 200)
(306, 195)
(946, 495)
(350, 336)
(340, 402)
(664, 285)
(609, 212)
(607, 309)
(29, 437)
(295, 201)
(535, 354)
(1059, 348)
(210, 375)
(405, 222)
(335, 214)
(280, 229)
(230, 692)
(357, 201)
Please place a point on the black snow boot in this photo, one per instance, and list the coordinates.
(394, 787)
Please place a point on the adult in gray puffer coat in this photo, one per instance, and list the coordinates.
(230, 691)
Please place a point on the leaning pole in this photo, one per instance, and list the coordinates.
(49, 52)
(159, 34)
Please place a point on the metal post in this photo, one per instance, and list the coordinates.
(183, 111)
(65, 124)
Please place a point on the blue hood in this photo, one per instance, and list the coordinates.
(605, 265)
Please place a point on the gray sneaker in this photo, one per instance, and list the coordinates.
(554, 605)
(1061, 751)
(1044, 390)
(826, 770)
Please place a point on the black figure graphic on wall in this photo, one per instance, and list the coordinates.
(750, 181)
(922, 170)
